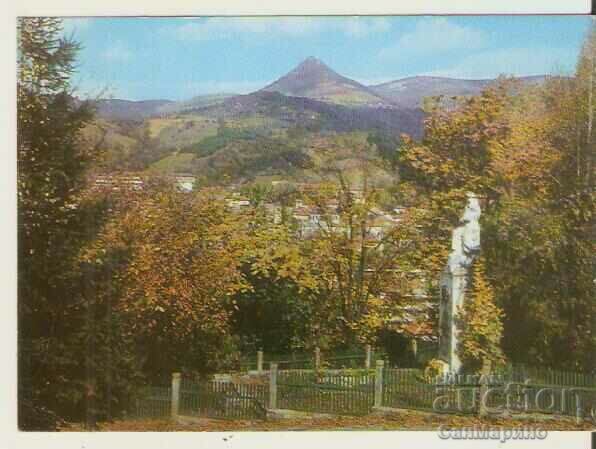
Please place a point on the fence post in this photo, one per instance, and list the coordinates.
(260, 361)
(317, 358)
(176, 379)
(273, 386)
(368, 360)
(379, 383)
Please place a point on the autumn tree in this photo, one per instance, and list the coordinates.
(329, 280)
(481, 323)
(178, 271)
(357, 256)
(281, 310)
(529, 152)
(545, 273)
(455, 152)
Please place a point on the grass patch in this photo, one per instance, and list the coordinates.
(177, 162)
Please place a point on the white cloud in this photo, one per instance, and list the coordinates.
(434, 35)
(227, 28)
(512, 61)
(118, 52)
(362, 27)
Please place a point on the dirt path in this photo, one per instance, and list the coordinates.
(401, 421)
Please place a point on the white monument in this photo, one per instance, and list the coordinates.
(465, 245)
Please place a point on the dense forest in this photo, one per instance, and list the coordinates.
(120, 290)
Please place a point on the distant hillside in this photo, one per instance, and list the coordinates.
(198, 102)
(115, 109)
(315, 80)
(410, 92)
(314, 114)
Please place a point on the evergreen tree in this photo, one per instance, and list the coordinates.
(52, 219)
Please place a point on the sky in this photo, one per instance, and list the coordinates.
(178, 58)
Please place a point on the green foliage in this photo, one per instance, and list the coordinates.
(386, 145)
(225, 135)
(243, 159)
(54, 220)
(258, 193)
(273, 315)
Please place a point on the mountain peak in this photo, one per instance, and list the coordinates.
(312, 78)
(311, 61)
(313, 67)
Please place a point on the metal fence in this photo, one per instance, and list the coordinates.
(223, 400)
(548, 399)
(345, 392)
(152, 402)
(408, 389)
(547, 376)
(356, 391)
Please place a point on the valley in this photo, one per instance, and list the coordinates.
(288, 129)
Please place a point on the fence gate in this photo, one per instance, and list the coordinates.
(343, 393)
(223, 399)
